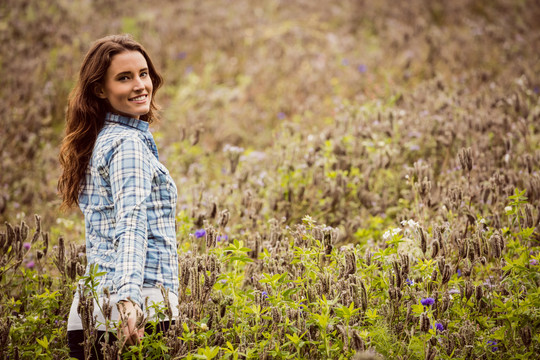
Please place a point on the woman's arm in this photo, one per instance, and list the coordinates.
(130, 174)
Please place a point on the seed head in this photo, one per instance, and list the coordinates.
(479, 292)
(435, 249)
(357, 343)
(424, 322)
(465, 159)
(526, 335)
(447, 273)
(469, 289)
(367, 258)
(434, 275)
(423, 241)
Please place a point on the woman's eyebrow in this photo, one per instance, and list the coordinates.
(123, 73)
(129, 72)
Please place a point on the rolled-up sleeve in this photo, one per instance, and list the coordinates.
(131, 176)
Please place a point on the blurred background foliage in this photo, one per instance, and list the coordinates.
(245, 73)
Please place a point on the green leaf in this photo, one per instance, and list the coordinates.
(43, 342)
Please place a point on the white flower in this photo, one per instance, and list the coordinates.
(391, 233)
(409, 222)
(508, 209)
(233, 149)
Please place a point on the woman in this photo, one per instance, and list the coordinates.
(111, 170)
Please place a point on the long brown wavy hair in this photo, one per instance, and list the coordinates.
(85, 115)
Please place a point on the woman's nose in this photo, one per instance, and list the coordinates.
(139, 84)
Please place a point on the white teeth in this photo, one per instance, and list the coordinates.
(142, 97)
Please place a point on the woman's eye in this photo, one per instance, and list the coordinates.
(123, 78)
(144, 74)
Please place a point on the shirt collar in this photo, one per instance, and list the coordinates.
(124, 120)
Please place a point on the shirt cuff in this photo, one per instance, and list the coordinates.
(130, 292)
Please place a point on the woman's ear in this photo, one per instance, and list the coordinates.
(99, 91)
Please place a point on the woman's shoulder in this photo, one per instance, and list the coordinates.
(112, 139)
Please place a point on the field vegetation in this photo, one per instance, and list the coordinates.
(356, 179)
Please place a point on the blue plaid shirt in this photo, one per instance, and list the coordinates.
(128, 200)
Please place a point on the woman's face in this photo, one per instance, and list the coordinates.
(127, 85)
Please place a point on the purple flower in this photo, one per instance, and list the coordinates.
(30, 264)
(181, 55)
(427, 301)
(439, 327)
(493, 345)
(533, 262)
(200, 233)
(362, 68)
(409, 282)
(414, 147)
(223, 238)
(281, 115)
(459, 273)
(264, 295)
(27, 245)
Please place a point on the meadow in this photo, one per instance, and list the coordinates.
(356, 180)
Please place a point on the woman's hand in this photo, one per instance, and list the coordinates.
(131, 317)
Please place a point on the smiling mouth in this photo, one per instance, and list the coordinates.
(139, 98)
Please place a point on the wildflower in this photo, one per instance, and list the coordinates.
(414, 147)
(30, 264)
(533, 262)
(409, 222)
(204, 327)
(281, 115)
(453, 291)
(391, 233)
(181, 55)
(459, 273)
(362, 68)
(27, 245)
(439, 327)
(200, 233)
(508, 209)
(233, 149)
(427, 301)
(223, 238)
(493, 345)
(409, 282)
(264, 295)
